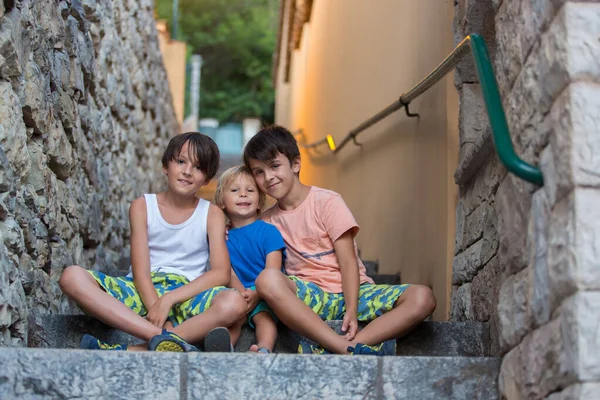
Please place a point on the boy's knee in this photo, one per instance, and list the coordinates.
(424, 299)
(70, 277)
(232, 303)
(269, 280)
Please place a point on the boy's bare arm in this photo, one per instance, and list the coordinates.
(344, 251)
(274, 260)
(235, 282)
(140, 254)
(220, 267)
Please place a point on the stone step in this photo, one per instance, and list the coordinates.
(466, 339)
(51, 373)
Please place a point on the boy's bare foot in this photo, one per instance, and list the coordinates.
(254, 348)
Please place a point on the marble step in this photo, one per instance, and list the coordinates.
(87, 374)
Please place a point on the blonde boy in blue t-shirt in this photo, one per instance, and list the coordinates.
(253, 245)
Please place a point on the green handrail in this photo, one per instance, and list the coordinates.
(491, 96)
(495, 111)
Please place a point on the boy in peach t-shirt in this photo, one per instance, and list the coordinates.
(326, 278)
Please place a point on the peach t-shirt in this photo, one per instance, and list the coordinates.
(309, 232)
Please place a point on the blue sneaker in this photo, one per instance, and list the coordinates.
(387, 348)
(308, 348)
(89, 342)
(168, 341)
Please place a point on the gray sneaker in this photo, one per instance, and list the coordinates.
(218, 340)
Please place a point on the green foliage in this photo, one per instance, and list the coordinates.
(236, 39)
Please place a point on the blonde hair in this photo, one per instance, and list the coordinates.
(228, 177)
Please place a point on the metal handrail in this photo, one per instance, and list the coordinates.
(491, 96)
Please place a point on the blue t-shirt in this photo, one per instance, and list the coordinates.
(248, 248)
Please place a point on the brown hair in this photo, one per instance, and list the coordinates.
(268, 142)
(202, 149)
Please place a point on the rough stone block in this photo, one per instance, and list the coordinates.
(461, 305)
(539, 286)
(472, 157)
(585, 124)
(580, 316)
(574, 239)
(13, 135)
(543, 361)
(465, 339)
(513, 310)
(472, 116)
(513, 203)
(528, 101)
(473, 225)
(36, 373)
(472, 16)
(280, 377)
(485, 290)
(460, 227)
(549, 172)
(442, 378)
(43, 373)
(561, 239)
(510, 378)
(37, 112)
(14, 45)
(567, 52)
(587, 238)
(582, 22)
(509, 41)
(578, 391)
(483, 185)
(467, 263)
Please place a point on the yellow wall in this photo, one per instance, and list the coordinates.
(174, 53)
(357, 57)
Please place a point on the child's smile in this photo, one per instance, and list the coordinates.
(240, 200)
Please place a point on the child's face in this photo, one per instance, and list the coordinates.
(276, 177)
(184, 174)
(240, 199)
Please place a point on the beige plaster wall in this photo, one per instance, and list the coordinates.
(356, 58)
(174, 57)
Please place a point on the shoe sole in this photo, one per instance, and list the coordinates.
(218, 340)
(169, 346)
(162, 343)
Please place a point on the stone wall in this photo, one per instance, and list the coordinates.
(85, 113)
(528, 257)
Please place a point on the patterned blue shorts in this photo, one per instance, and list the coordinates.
(373, 300)
(123, 289)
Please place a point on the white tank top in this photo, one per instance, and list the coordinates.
(178, 249)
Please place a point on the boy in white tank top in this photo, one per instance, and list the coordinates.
(169, 299)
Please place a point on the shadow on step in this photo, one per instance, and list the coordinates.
(460, 339)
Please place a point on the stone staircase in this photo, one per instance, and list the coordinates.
(438, 360)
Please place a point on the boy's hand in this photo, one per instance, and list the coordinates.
(251, 298)
(350, 325)
(159, 312)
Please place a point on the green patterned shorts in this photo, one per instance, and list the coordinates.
(373, 300)
(123, 289)
(262, 306)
